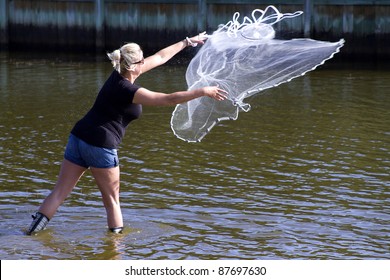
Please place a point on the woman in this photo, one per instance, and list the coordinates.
(94, 139)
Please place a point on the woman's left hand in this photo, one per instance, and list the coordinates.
(199, 39)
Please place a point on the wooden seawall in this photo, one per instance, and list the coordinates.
(89, 25)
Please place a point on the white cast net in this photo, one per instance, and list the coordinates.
(244, 59)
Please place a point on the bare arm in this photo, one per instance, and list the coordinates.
(146, 97)
(167, 53)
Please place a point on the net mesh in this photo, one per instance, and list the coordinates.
(244, 59)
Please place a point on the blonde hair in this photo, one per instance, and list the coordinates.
(123, 59)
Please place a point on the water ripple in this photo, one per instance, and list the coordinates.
(304, 174)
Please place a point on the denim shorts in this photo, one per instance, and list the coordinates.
(86, 155)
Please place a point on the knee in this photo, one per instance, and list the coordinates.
(111, 201)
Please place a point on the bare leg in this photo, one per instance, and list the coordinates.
(70, 174)
(108, 182)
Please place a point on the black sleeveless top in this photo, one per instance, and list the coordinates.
(105, 123)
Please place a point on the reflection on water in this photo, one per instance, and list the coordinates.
(304, 174)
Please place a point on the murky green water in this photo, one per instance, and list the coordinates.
(304, 174)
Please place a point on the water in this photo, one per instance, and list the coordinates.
(303, 175)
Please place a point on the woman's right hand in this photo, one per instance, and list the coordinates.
(215, 92)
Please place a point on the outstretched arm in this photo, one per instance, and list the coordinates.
(146, 97)
(167, 53)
